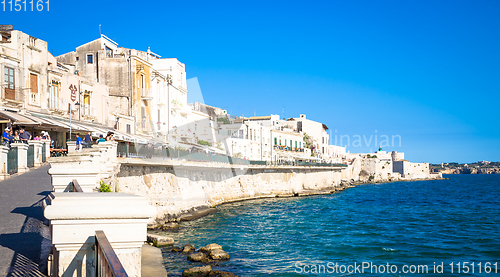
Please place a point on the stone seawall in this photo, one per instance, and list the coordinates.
(180, 188)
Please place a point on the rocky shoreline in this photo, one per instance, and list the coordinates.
(204, 255)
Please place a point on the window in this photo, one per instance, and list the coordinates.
(275, 141)
(109, 52)
(9, 83)
(33, 88)
(159, 116)
(129, 131)
(77, 58)
(90, 59)
(295, 144)
(142, 85)
(143, 117)
(54, 95)
(86, 103)
(32, 41)
(33, 83)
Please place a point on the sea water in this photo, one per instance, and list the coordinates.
(435, 228)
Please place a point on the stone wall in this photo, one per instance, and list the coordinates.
(177, 189)
(411, 170)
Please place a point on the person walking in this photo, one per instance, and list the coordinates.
(88, 140)
(78, 142)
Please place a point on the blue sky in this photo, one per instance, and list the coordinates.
(427, 71)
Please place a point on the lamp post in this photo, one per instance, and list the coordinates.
(70, 116)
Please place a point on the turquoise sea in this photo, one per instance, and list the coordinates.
(396, 227)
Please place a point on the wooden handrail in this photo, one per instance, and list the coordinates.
(76, 186)
(107, 263)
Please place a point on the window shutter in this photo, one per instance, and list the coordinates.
(34, 82)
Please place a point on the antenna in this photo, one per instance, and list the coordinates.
(100, 34)
(284, 113)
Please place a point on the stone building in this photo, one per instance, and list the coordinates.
(147, 92)
(40, 94)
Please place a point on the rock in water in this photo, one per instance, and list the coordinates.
(201, 271)
(219, 254)
(159, 241)
(210, 247)
(188, 249)
(170, 226)
(197, 257)
(176, 249)
(218, 273)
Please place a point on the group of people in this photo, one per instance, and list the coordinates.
(10, 136)
(87, 140)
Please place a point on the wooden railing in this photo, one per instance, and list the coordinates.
(107, 263)
(76, 186)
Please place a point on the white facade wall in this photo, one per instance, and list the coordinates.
(175, 98)
(317, 132)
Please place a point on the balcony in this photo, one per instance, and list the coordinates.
(287, 148)
(176, 105)
(13, 97)
(145, 94)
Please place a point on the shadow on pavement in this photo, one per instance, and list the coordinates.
(27, 243)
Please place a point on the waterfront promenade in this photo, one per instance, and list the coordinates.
(22, 229)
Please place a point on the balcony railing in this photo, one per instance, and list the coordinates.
(287, 148)
(12, 97)
(145, 94)
(107, 263)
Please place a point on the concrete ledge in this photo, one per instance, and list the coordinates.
(95, 205)
(152, 262)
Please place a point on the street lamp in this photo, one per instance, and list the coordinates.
(71, 115)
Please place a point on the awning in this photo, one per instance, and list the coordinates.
(55, 123)
(19, 119)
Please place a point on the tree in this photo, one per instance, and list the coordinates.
(206, 143)
(308, 141)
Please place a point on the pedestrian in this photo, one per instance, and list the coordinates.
(88, 140)
(36, 137)
(101, 139)
(46, 135)
(11, 137)
(15, 137)
(24, 136)
(78, 142)
(6, 137)
(109, 136)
